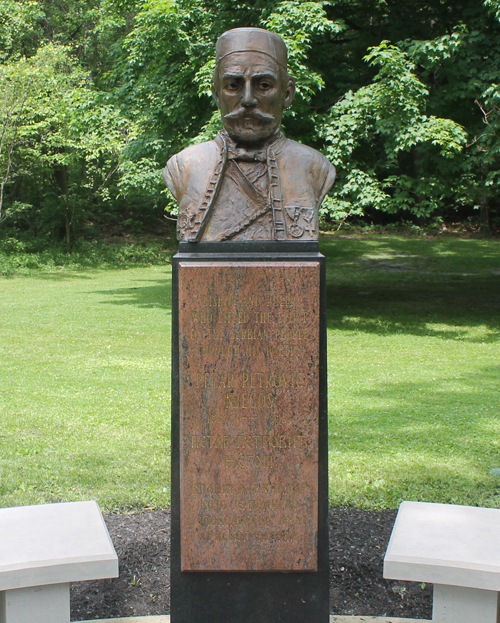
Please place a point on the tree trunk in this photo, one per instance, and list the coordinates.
(484, 218)
(61, 175)
(416, 173)
(68, 233)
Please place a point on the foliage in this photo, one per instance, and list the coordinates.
(30, 90)
(466, 86)
(395, 147)
(369, 130)
(170, 50)
(403, 97)
(59, 143)
(18, 257)
(494, 5)
(453, 52)
(20, 31)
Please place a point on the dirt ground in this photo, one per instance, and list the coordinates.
(358, 540)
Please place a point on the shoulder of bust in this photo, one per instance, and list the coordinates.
(304, 158)
(189, 170)
(297, 161)
(306, 152)
(195, 153)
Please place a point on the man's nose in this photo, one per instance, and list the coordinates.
(248, 100)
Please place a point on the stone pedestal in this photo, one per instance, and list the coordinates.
(249, 434)
(43, 604)
(457, 604)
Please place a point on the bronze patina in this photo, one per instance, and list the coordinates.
(250, 182)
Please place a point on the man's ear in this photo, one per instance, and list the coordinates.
(290, 92)
(215, 94)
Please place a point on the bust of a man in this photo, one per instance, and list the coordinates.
(250, 182)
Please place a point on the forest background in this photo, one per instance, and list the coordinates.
(95, 95)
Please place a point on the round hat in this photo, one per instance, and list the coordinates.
(251, 40)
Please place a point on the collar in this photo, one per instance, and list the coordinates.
(234, 152)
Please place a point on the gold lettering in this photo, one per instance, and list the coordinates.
(263, 317)
(231, 401)
(256, 380)
(207, 442)
(246, 400)
(209, 380)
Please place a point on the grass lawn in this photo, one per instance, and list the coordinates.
(84, 393)
(414, 370)
(414, 378)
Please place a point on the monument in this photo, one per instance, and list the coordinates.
(249, 412)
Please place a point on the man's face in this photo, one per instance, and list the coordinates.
(252, 92)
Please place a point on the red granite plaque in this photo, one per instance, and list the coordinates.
(249, 405)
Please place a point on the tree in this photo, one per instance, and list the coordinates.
(163, 75)
(59, 143)
(402, 96)
(454, 53)
(370, 132)
(392, 153)
(23, 85)
(20, 30)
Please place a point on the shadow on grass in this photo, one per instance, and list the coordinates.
(148, 296)
(418, 309)
(464, 254)
(427, 441)
(384, 285)
(84, 272)
(415, 407)
(420, 287)
(87, 273)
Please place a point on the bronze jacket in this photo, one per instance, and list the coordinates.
(219, 201)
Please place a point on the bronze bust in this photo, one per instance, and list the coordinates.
(250, 183)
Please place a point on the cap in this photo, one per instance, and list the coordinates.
(252, 40)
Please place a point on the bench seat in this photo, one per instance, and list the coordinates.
(456, 548)
(44, 548)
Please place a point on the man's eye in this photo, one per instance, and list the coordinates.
(232, 86)
(266, 86)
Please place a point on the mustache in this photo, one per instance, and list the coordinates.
(253, 113)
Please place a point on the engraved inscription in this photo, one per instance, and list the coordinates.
(249, 403)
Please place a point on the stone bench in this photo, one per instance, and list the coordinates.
(456, 548)
(42, 549)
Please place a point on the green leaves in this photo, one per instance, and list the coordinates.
(367, 131)
(140, 177)
(57, 135)
(298, 23)
(20, 31)
(404, 98)
(494, 6)
(167, 61)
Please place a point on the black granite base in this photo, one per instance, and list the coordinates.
(250, 597)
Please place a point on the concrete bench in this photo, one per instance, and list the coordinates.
(456, 548)
(42, 549)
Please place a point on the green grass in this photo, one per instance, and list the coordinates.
(19, 257)
(414, 377)
(84, 393)
(414, 374)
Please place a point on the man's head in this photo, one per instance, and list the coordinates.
(251, 84)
